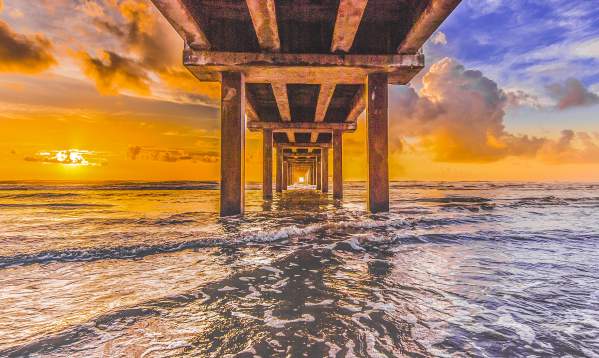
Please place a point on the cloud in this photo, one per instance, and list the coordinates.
(113, 73)
(571, 93)
(24, 53)
(571, 147)
(91, 8)
(458, 116)
(439, 38)
(73, 157)
(181, 79)
(141, 31)
(171, 155)
(154, 47)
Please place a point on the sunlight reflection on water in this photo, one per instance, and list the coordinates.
(495, 269)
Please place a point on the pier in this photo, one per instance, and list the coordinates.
(302, 72)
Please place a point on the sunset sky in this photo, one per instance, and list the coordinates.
(95, 90)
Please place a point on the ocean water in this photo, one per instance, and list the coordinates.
(477, 269)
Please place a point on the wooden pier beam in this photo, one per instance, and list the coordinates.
(325, 170)
(318, 173)
(267, 163)
(279, 180)
(285, 174)
(377, 142)
(337, 164)
(232, 175)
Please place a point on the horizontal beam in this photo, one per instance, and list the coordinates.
(305, 126)
(300, 156)
(179, 17)
(302, 68)
(431, 18)
(302, 145)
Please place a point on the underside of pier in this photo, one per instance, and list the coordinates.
(301, 72)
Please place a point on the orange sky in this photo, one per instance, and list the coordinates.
(94, 102)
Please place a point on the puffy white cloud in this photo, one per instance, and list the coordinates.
(439, 38)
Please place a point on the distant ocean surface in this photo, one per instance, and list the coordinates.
(455, 269)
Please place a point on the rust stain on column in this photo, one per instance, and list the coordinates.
(279, 180)
(267, 163)
(232, 143)
(285, 175)
(318, 173)
(377, 142)
(325, 170)
(337, 164)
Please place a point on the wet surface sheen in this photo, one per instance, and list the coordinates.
(148, 269)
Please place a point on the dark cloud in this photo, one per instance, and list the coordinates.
(571, 93)
(171, 155)
(24, 53)
(113, 73)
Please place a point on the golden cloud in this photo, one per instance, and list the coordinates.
(171, 155)
(74, 157)
(180, 78)
(24, 53)
(571, 147)
(458, 116)
(113, 73)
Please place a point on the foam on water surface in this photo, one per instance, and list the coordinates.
(121, 269)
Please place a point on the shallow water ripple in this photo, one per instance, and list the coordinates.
(148, 269)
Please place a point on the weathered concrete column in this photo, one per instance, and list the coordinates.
(279, 181)
(285, 175)
(232, 118)
(267, 163)
(325, 170)
(318, 173)
(337, 164)
(377, 142)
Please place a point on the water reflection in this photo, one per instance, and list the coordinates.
(473, 269)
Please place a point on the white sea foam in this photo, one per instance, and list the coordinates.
(526, 333)
(227, 288)
(276, 322)
(321, 303)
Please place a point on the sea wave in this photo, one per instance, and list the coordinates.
(54, 205)
(67, 186)
(39, 195)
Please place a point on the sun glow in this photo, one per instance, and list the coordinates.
(70, 157)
